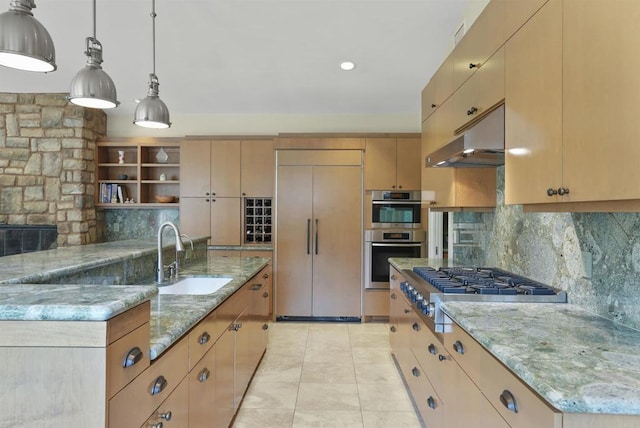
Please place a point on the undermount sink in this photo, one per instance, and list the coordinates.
(195, 285)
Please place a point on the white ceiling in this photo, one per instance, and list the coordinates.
(244, 57)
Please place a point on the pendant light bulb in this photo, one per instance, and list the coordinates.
(24, 42)
(152, 112)
(92, 87)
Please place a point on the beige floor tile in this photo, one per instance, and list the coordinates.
(378, 373)
(270, 395)
(328, 372)
(280, 368)
(318, 396)
(390, 420)
(263, 418)
(327, 419)
(384, 397)
(370, 327)
(371, 356)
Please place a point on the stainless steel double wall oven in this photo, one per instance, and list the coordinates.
(394, 232)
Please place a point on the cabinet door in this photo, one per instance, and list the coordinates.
(337, 241)
(463, 400)
(195, 216)
(202, 392)
(225, 355)
(600, 94)
(518, 12)
(481, 92)
(408, 163)
(533, 110)
(225, 168)
(174, 411)
(195, 173)
(380, 164)
(258, 168)
(225, 221)
(490, 416)
(293, 255)
(440, 88)
(436, 131)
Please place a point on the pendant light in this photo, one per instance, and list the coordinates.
(24, 42)
(152, 112)
(92, 87)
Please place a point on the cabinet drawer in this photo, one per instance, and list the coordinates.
(173, 412)
(202, 392)
(499, 384)
(424, 395)
(430, 355)
(132, 406)
(466, 351)
(127, 357)
(201, 339)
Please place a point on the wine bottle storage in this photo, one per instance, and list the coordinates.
(257, 220)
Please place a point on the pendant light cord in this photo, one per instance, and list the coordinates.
(94, 20)
(153, 30)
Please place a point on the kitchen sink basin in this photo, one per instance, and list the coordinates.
(195, 285)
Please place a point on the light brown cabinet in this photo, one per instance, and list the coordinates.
(257, 171)
(217, 217)
(392, 163)
(518, 12)
(319, 242)
(211, 168)
(142, 168)
(439, 88)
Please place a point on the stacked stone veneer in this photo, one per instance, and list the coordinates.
(47, 169)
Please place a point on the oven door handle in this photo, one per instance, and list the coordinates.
(396, 202)
(399, 244)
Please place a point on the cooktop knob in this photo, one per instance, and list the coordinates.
(429, 309)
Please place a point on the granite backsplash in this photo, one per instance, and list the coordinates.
(122, 224)
(595, 257)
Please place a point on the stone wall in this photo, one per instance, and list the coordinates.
(47, 169)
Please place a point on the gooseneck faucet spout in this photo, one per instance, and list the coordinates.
(173, 267)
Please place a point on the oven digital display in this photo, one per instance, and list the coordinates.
(395, 235)
(396, 195)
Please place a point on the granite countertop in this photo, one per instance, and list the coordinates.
(576, 360)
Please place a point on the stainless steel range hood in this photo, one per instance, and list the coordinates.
(482, 145)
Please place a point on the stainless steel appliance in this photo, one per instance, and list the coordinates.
(395, 209)
(427, 288)
(382, 244)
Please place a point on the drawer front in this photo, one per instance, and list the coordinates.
(424, 395)
(466, 351)
(201, 339)
(132, 406)
(127, 357)
(502, 388)
(430, 354)
(202, 392)
(173, 412)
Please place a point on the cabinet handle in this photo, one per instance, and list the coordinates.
(265, 295)
(308, 235)
(132, 357)
(158, 425)
(204, 338)
(204, 375)
(458, 347)
(393, 329)
(415, 326)
(213, 200)
(207, 194)
(393, 186)
(213, 193)
(562, 191)
(265, 276)
(442, 357)
(207, 200)
(244, 194)
(393, 277)
(399, 186)
(551, 192)
(407, 311)
(509, 401)
(256, 287)
(431, 402)
(415, 372)
(393, 296)
(432, 349)
(472, 110)
(265, 326)
(159, 384)
(316, 236)
(472, 65)
(165, 415)
(433, 106)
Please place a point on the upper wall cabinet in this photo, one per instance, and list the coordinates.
(257, 171)
(440, 88)
(392, 163)
(518, 12)
(533, 108)
(484, 37)
(483, 91)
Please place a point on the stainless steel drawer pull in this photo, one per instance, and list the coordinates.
(407, 311)
(432, 349)
(509, 401)
(132, 357)
(415, 372)
(158, 425)
(393, 296)
(204, 374)
(458, 347)
(204, 338)
(265, 295)
(256, 287)
(265, 276)
(159, 384)
(165, 415)
(265, 326)
(431, 402)
(393, 329)
(415, 326)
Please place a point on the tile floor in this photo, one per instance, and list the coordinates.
(327, 375)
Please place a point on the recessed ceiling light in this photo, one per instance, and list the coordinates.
(347, 65)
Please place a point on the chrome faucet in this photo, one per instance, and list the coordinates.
(173, 267)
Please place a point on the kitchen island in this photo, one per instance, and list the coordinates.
(81, 325)
(530, 364)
